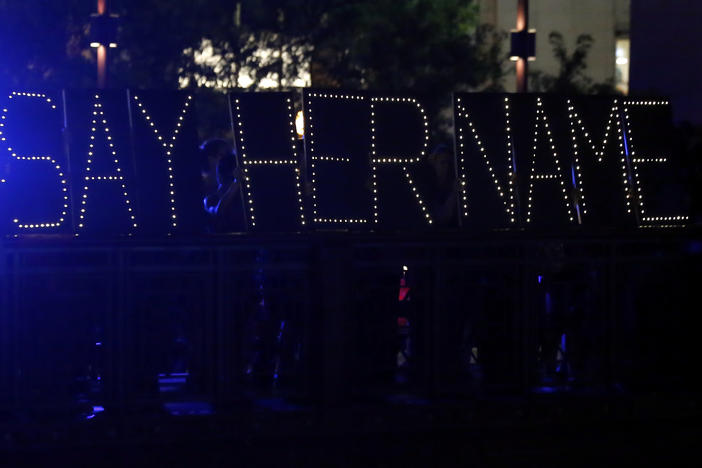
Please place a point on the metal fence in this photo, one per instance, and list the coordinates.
(204, 325)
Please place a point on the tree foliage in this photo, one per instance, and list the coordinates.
(429, 46)
(41, 44)
(424, 45)
(571, 78)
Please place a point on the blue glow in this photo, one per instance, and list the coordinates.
(171, 380)
(62, 185)
(280, 331)
(539, 279)
(545, 389)
(577, 208)
(574, 179)
(626, 143)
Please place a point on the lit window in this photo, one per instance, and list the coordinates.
(621, 68)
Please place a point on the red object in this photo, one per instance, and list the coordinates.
(402, 322)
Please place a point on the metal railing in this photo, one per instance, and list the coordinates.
(197, 326)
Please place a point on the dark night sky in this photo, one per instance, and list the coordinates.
(666, 53)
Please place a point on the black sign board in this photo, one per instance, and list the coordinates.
(125, 163)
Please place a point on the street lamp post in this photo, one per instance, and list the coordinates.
(522, 45)
(103, 34)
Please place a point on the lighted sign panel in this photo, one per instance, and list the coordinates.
(657, 179)
(115, 163)
(543, 164)
(599, 162)
(270, 156)
(102, 166)
(485, 126)
(166, 160)
(409, 188)
(338, 147)
(34, 180)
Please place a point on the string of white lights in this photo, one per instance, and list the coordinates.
(375, 159)
(245, 176)
(314, 160)
(420, 202)
(374, 168)
(330, 158)
(462, 176)
(247, 161)
(298, 173)
(264, 162)
(639, 102)
(168, 146)
(100, 120)
(509, 201)
(542, 122)
(613, 122)
(639, 193)
(63, 183)
(649, 160)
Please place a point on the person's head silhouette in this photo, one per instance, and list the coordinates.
(211, 152)
(226, 170)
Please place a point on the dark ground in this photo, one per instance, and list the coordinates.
(542, 430)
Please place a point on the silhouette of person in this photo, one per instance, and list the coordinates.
(211, 151)
(224, 204)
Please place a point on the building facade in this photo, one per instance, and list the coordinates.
(606, 21)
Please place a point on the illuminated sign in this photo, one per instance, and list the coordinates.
(35, 171)
(125, 163)
(270, 155)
